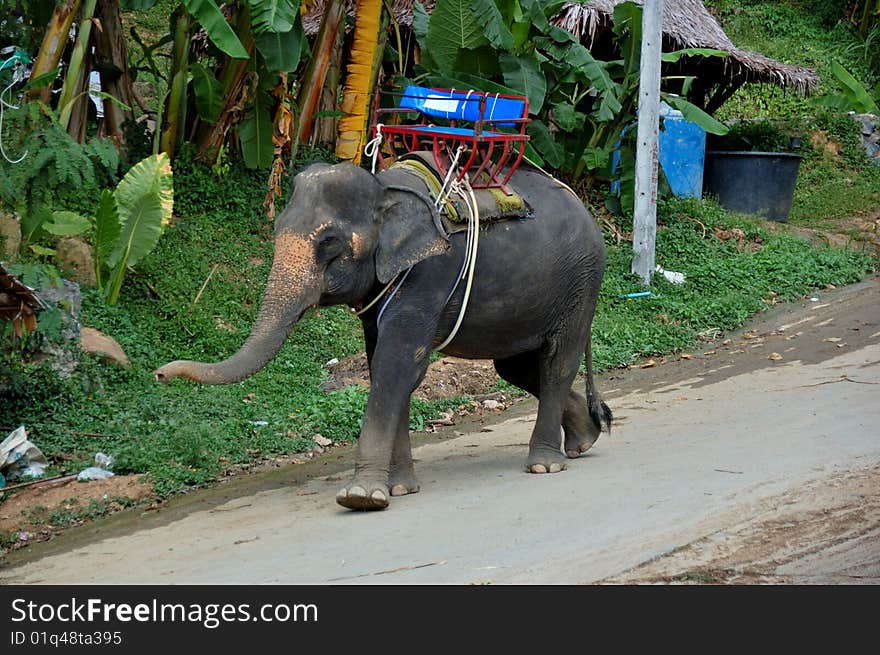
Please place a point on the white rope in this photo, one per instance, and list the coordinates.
(3, 105)
(443, 195)
(377, 298)
(470, 255)
(372, 148)
(492, 113)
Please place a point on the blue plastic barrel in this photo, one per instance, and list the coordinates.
(682, 152)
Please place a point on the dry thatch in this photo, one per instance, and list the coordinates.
(18, 304)
(686, 23)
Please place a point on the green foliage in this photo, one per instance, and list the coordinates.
(757, 136)
(810, 33)
(255, 132)
(144, 200)
(56, 173)
(281, 51)
(453, 28)
(580, 105)
(835, 180)
(214, 23)
(273, 15)
(855, 97)
(727, 281)
(207, 91)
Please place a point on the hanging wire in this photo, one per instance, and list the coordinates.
(3, 104)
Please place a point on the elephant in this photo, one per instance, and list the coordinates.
(346, 233)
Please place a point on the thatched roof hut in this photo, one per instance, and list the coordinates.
(686, 24)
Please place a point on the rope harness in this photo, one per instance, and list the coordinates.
(462, 188)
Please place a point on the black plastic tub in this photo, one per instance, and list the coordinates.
(760, 183)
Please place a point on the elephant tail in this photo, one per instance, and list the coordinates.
(600, 413)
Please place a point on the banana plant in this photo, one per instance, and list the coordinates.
(361, 73)
(855, 96)
(579, 104)
(127, 223)
(130, 220)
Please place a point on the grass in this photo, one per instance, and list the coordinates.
(801, 32)
(808, 33)
(726, 281)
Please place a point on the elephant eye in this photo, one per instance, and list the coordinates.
(329, 246)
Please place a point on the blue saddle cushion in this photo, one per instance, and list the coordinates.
(449, 131)
(460, 105)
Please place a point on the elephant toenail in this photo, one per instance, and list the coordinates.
(539, 468)
(379, 496)
(359, 492)
(342, 493)
(555, 468)
(398, 490)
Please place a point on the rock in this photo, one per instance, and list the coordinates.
(10, 236)
(492, 405)
(870, 125)
(95, 342)
(321, 440)
(63, 352)
(76, 258)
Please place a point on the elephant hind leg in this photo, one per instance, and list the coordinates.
(580, 433)
(580, 427)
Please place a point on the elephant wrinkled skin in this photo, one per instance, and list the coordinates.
(345, 234)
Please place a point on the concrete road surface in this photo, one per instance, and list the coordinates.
(758, 460)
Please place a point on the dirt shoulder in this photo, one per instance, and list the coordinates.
(826, 532)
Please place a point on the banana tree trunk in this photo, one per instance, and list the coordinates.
(112, 52)
(210, 136)
(361, 72)
(324, 131)
(316, 73)
(52, 46)
(79, 112)
(77, 69)
(174, 116)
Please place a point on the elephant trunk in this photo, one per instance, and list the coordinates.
(292, 288)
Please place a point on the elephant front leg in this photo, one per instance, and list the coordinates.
(384, 460)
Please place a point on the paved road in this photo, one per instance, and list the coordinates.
(701, 448)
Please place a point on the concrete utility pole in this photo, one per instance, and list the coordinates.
(645, 210)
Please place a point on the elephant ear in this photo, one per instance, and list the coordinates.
(410, 231)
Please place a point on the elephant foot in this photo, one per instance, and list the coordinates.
(403, 481)
(545, 461)
(363, 494)
(577, 444)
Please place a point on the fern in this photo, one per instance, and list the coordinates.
(57, 172)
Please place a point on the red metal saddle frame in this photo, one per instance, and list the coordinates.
(486, 151)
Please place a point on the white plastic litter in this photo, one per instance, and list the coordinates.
(332, 362)
(672, 276)
(101, 469)
(104, 461)
(94, 473)
(20, 458)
